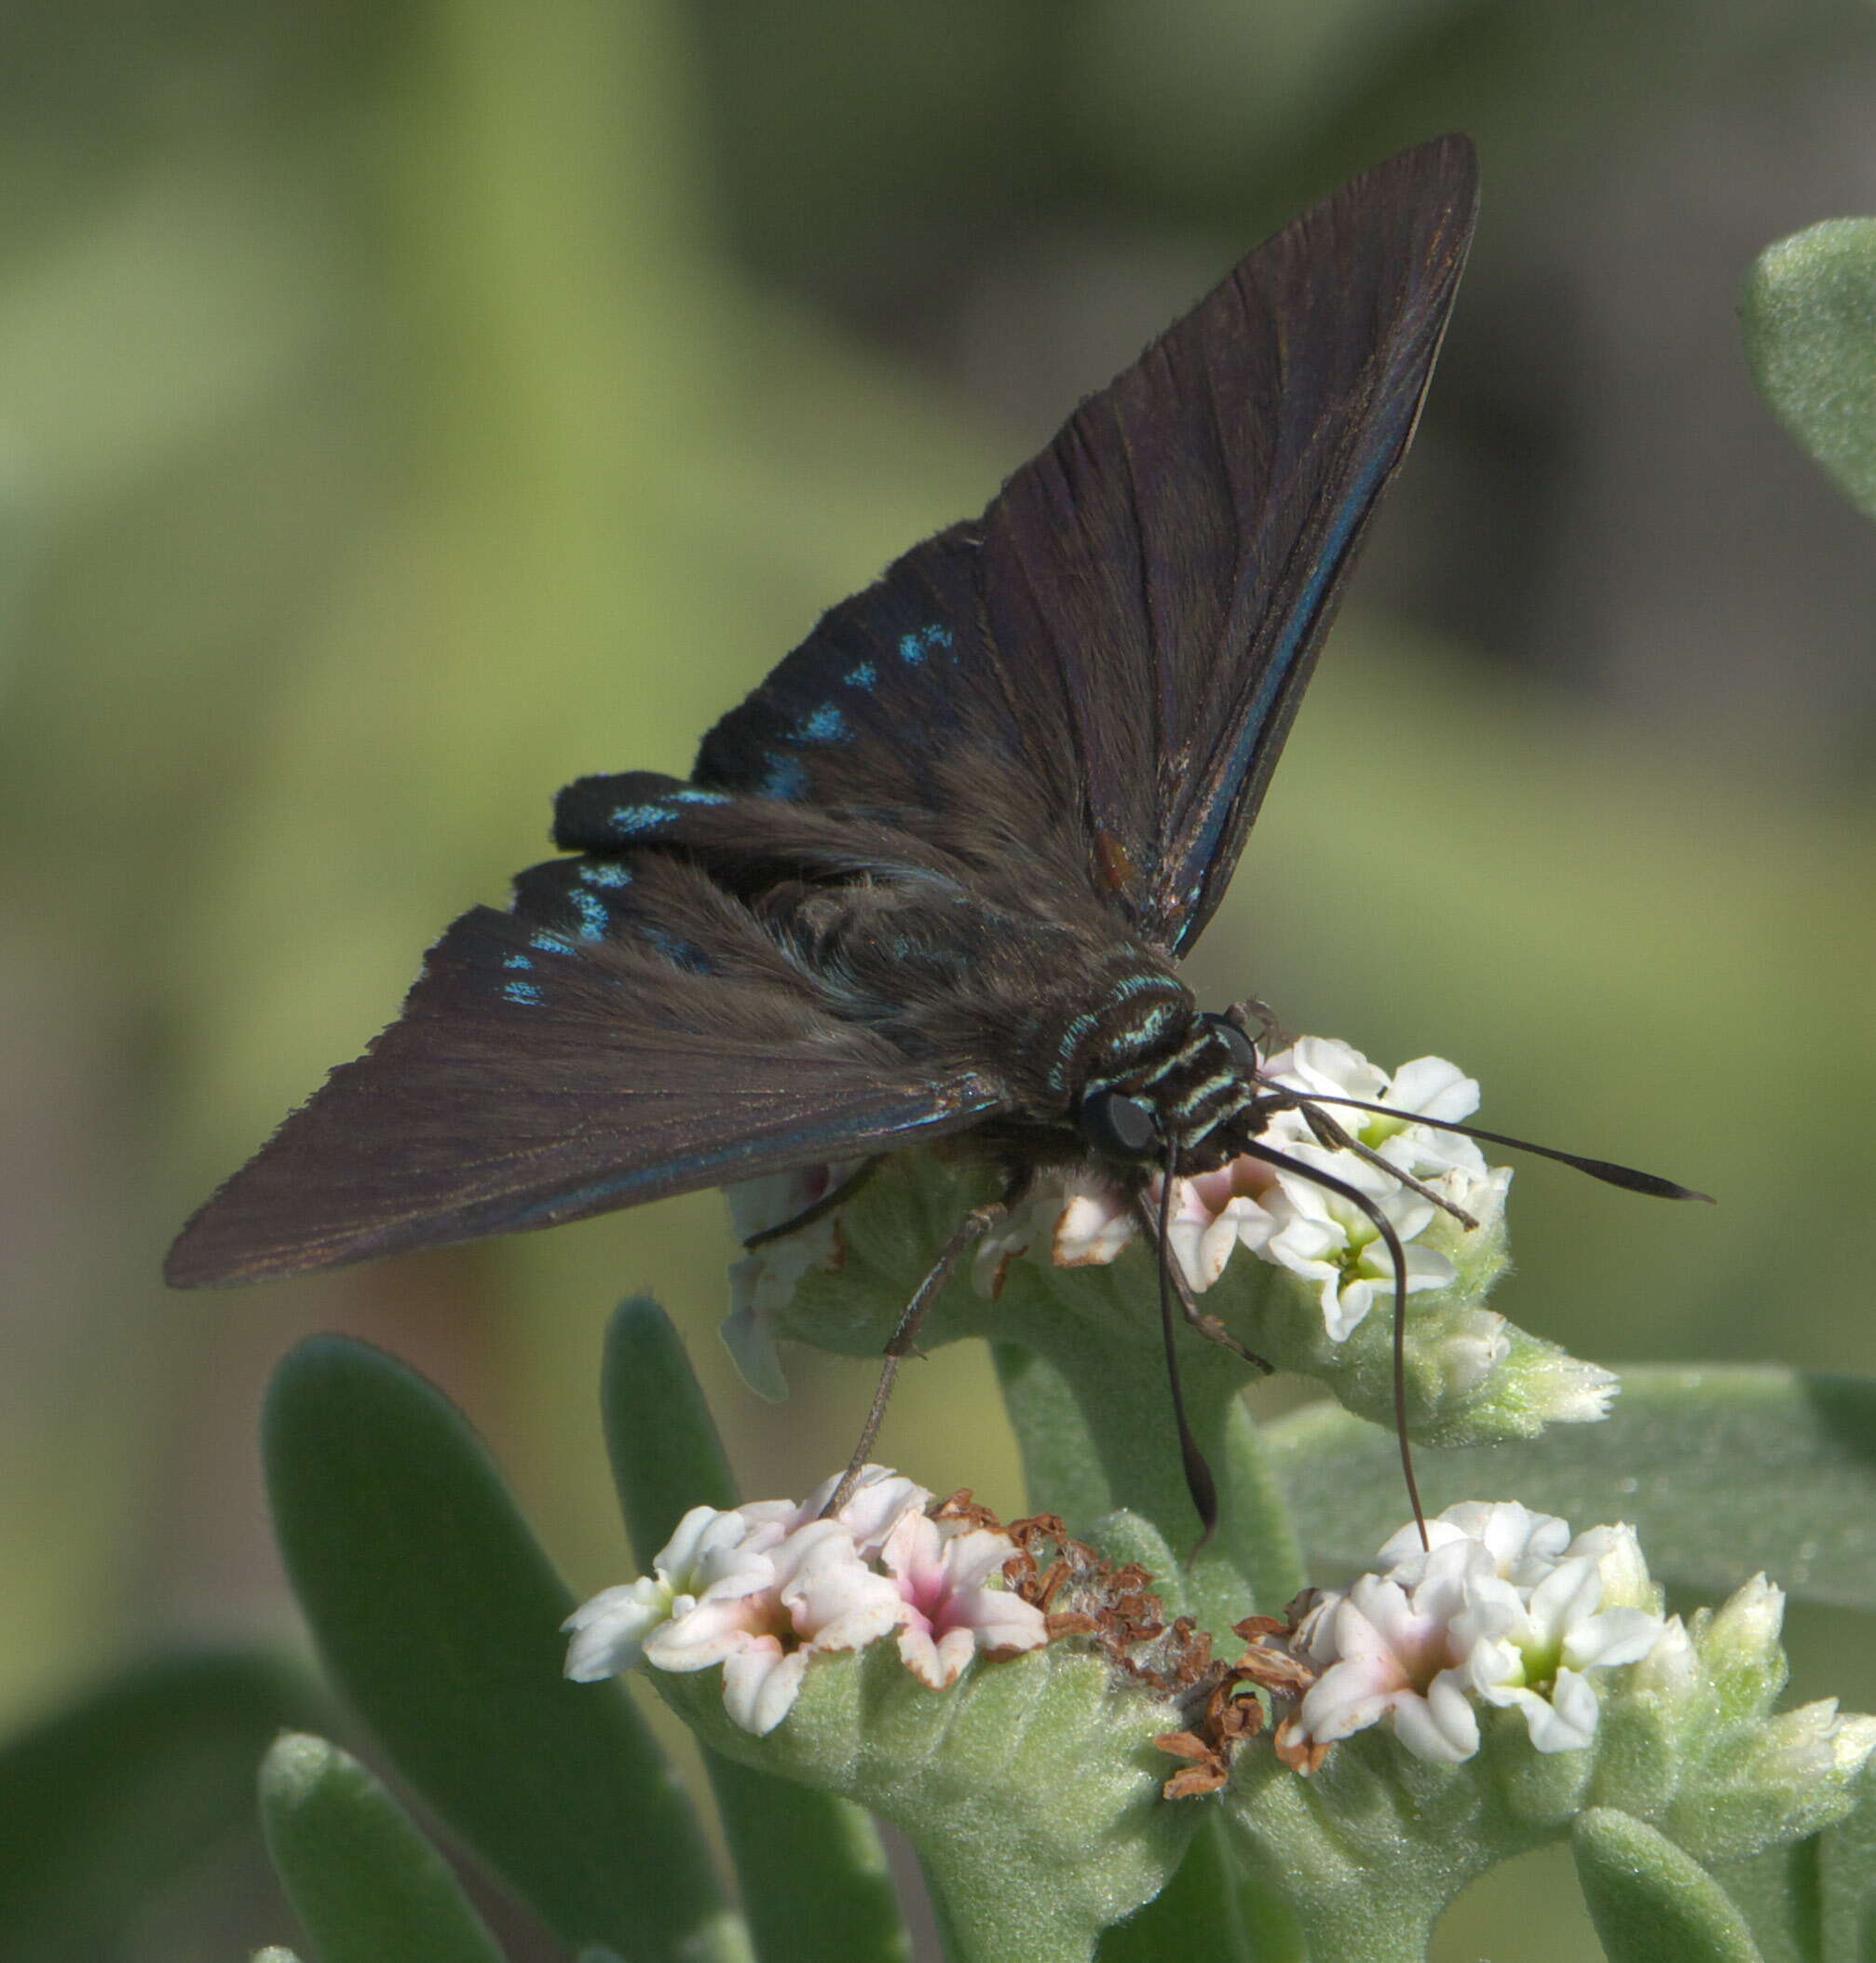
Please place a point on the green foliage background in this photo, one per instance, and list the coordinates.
(405, 408)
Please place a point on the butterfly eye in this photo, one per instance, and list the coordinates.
(1243, 1052)
(1123, 1127)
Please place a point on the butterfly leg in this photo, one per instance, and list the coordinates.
(837, 1196)
(969, 1232)
(1209, 1326)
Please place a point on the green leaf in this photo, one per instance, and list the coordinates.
(1651, 1902)
(110, 1799)
(1779, 1893)
(439, 1617)
(1195, 1914)
(364, 1883)
(1723, 1472)
(1847, 1871)
(1031, 1788)
(813, 1875)
(1810, 322)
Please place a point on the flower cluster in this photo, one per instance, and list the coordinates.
(764, 1588)
(1285, 1217)
(1503, 1607)
(1078, 1218)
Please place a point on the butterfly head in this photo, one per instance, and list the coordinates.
(1184, 1096)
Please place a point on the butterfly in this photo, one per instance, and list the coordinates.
(933, 879)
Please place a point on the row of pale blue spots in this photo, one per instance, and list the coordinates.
(592, 920)
(787, 777)
(635, 818)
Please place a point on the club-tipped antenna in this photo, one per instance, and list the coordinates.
(1631, 1180)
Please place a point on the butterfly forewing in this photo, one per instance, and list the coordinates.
(536, 1077)
(1120, 644)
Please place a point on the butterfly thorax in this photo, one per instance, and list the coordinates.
(1079, 1031)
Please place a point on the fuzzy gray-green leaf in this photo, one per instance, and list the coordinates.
(364, 1883)
(1810, 322)
(1712, 1467)
(812, 1871)
(1651, 1902)
(438, 1617)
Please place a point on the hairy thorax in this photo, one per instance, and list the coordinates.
(1055, 1011)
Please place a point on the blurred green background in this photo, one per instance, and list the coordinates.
(405, 409)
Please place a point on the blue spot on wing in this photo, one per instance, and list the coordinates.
(865, 677)
(823, 725)
(551, 943)
(639, 817)
(603, 872)
(593, 914)
(914, 648)
(524, 992)
(691, 795)
(517, 961)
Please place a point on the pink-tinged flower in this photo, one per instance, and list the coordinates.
(824, 1599)
(880, 1497)
(1389, 1652)
(1503, 1607)
(1329, 1240)
(952, 1611)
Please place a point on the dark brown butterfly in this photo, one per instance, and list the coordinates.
(935, 876)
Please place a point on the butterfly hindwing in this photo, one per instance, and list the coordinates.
(549, 1064)
(1106, 663)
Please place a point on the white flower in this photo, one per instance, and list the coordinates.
(1503, 1606)
(1559, 1631)
(1387, 1651)
(712, 1558)
(1328, 1239)
(880, 1497)
(1429, 1086)
(1524, 1546)
(766, 1587)
(763, 1281)
(951, 1609)
(825, 1598)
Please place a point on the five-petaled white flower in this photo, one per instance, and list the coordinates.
(951, 1609)
(1328, 1238)
(1503, 1606)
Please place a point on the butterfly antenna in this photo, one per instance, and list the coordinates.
(1199, 1480)
(1626, 1177)
(1398, 1254)
(1339, 1138)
